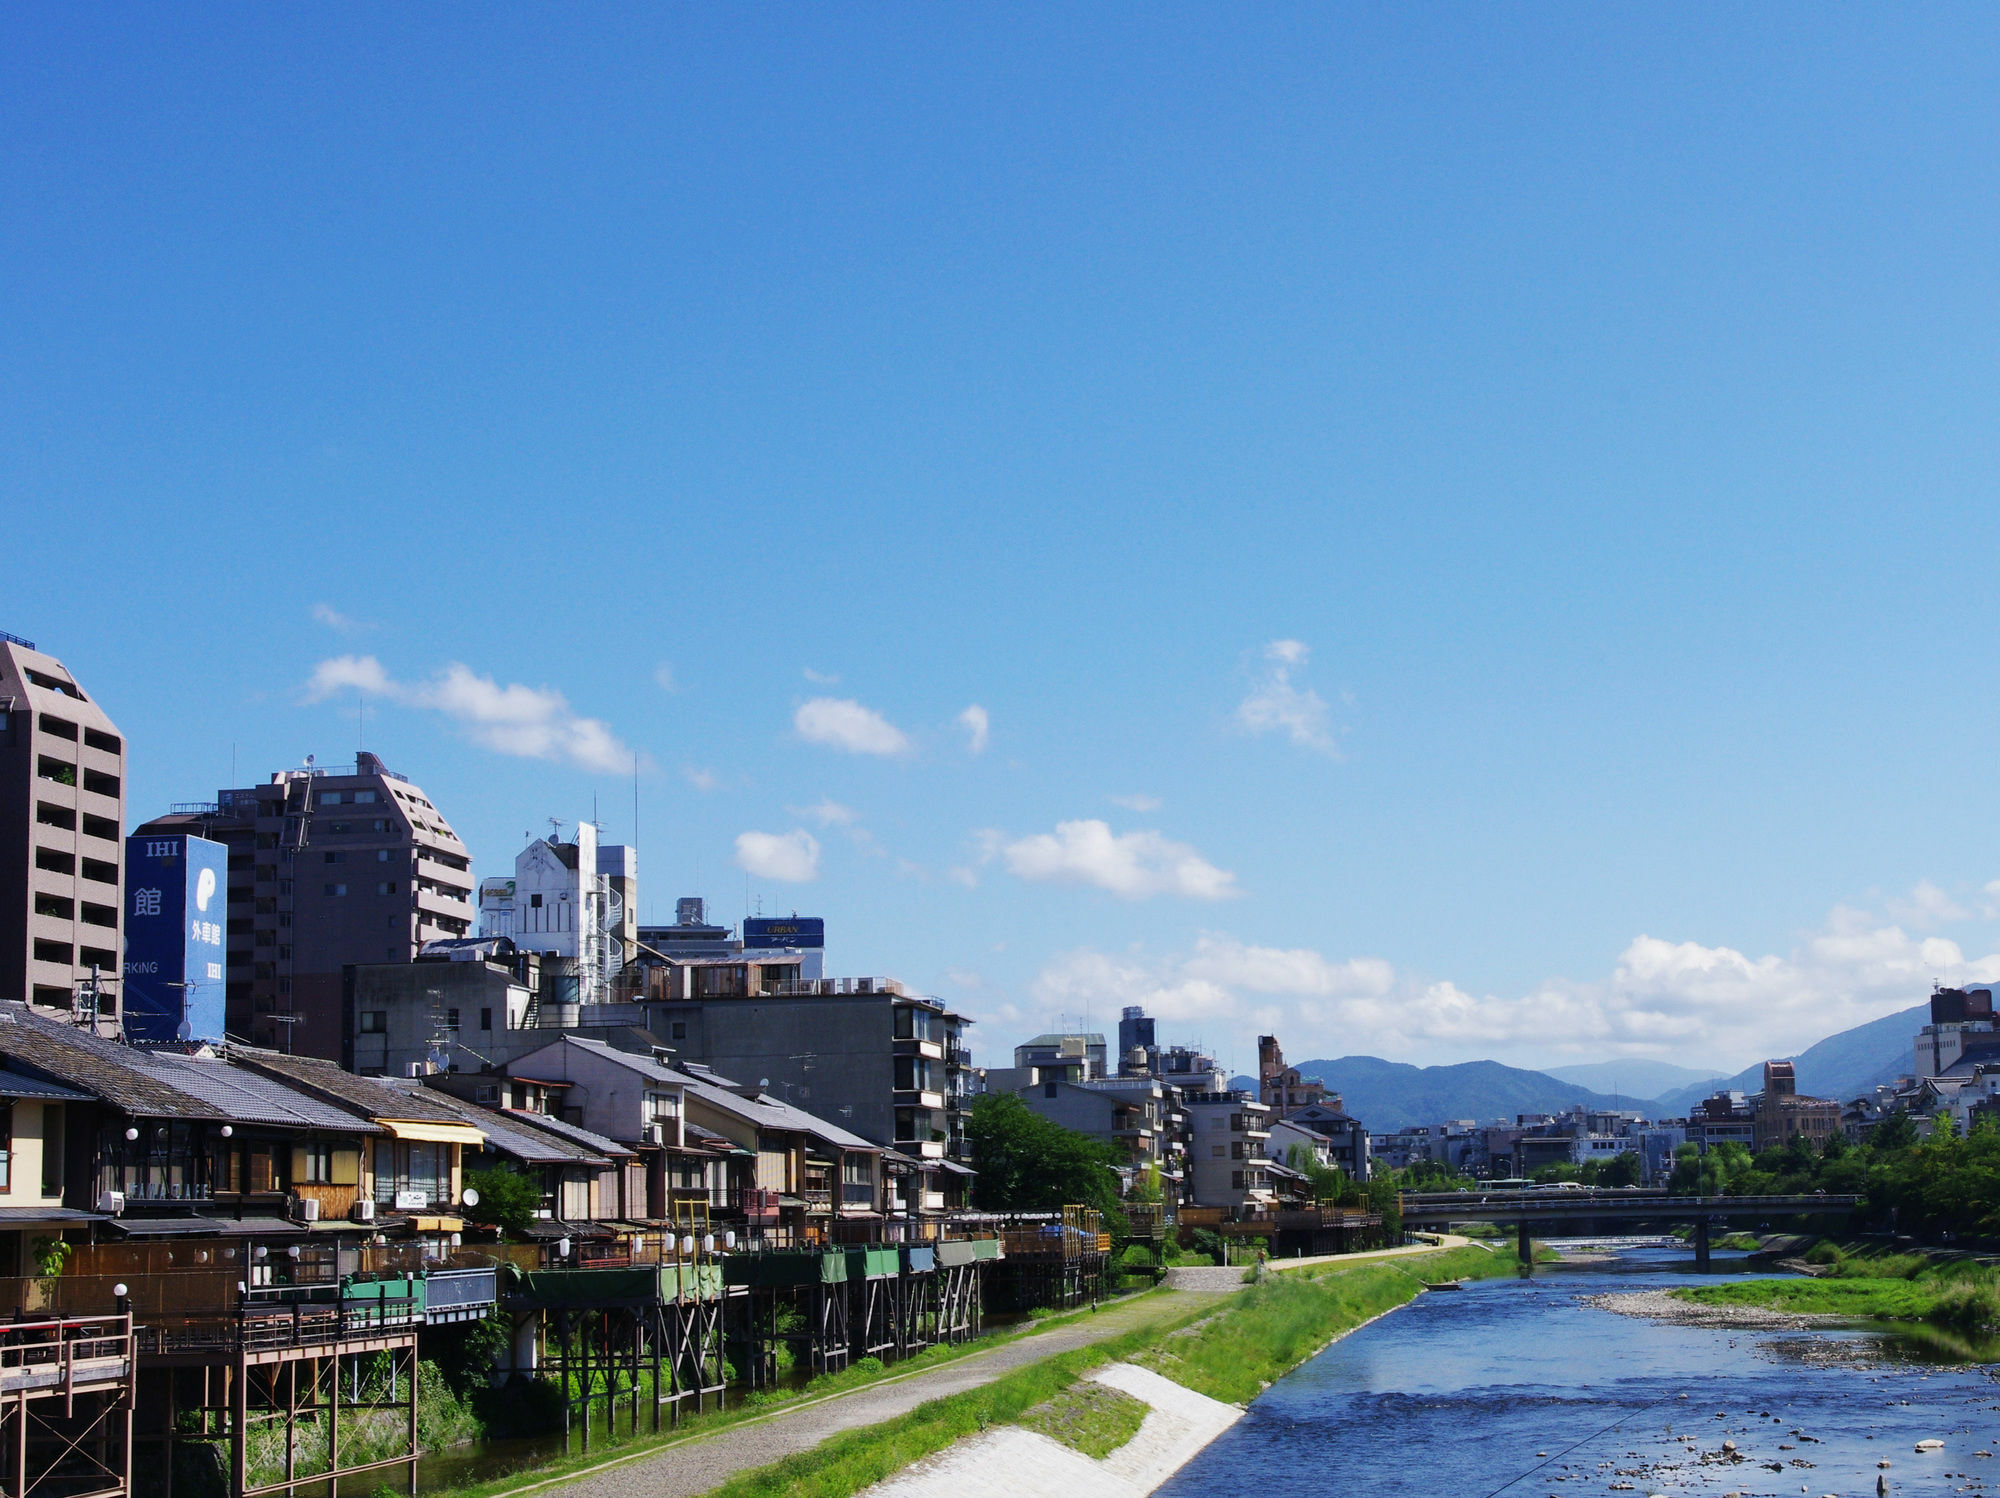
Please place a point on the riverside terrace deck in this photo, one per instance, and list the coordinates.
(1591, 1209)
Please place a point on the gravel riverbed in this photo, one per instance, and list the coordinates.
(1664, 1305)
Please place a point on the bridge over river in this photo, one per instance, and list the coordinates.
(1608, 1209)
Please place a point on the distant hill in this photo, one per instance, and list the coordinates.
(1842, 1066)
(1633, 1078)
(1388, 1095)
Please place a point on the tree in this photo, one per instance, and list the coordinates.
(506, 1200)
(1896, 1132)
(1622, 1169)
(1027, 1163)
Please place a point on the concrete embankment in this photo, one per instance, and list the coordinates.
(1010, 1462)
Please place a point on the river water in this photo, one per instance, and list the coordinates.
(1517, 1387)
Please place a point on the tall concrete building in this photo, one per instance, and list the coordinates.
(62, 830)
(327, 867)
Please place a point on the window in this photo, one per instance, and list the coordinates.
(386, 887)
(55, 816)
(678, 1030)
(54, 905)
(364, 798)
(486, 1019)
(7, 1147)
(379, 825)
(52, 1149)
(101, 958)
(1236, 1180)
(1236, 1149)
(487, 1092)
(107, 743)
(102, 827)
(1216, 1150)
(59, 771)
(54, 951)
(534, 902)
(100, 784)
(99, 915)
(62, 728)
(329, 798)
(312, 1164)
(98, 870)
(336, 858)
(336, 890)
(1049, 1089)
(374, 1022)
(50, 683)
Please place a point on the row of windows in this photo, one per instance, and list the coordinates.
(62, 908)
(63, 954)
(62, 772)
(62, 728)
(54, 861)
(63, 817)
(349, 798)
(382, 887)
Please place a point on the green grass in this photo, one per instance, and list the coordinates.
(1090, 1417)
(1896, 1287)
(1293, 1315)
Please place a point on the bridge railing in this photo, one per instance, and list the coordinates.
(1527, 1204)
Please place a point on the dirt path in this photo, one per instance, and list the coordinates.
(700, 1463)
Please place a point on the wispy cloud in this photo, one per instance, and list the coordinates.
(977, 726)
(332, 618)
(701, 779)
(1138, 803)
(790, 857)
(1278, 704)
(529, 722)
(1131, 865)
(828, 813)
(822, 678)
(663, 678)
(843, 723)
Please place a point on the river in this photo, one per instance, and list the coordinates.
(1514, 1387)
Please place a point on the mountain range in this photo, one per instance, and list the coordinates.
(1388, 1095)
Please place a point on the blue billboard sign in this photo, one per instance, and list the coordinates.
(176, 892)
(767, 931)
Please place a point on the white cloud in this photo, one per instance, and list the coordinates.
(843, 723)
(828, 813)
(663, 678)
(976, 725)
(1673, 1000)
(961, 875)
(530, 722)
(792, 857)
(1138, 803)
(1277, 704)
(1132, 865)
(1927, 907)
(332, 618)
(702, 780)
(822, 678)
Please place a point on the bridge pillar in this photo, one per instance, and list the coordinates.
(1701, 1261)
(1524, 1245)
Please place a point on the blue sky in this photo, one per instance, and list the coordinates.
(1492, 510)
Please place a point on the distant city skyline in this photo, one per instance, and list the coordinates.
(1438, 535)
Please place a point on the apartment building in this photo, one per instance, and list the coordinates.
(1228, 1160)
(62, 830)
(574, 901)
(328, 866)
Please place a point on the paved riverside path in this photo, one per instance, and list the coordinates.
(700, 1463)
(1213, 1279)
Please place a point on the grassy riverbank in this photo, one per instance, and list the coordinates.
(1228, 1347)
(1905, 1287)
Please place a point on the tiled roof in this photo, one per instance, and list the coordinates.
(610, 1148)
(509, 1133)
(373, 1097)
(105, 1069)
(239, 1093)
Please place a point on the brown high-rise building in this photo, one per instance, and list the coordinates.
(327, 867)
(62, 839)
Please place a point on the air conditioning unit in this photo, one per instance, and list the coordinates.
(308, 1210)
(112, 1202)
(364, 1211)
(656, 1133)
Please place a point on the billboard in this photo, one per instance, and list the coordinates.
(176, 893)
(766, 931)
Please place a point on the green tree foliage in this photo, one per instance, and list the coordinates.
(1028, 1164)
(506, 1200)
(1943, 1187)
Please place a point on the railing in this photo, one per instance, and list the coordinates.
(65, 1352)
(1613, 1203)
(301, 1324)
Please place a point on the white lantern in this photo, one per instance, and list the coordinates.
(120, 1290)
(562, 1247)
(228, 1131)
(708, 1243)
(470, 1196)
(687, 1244)
(729, 1239)
(292, 1252)
(131, 1134)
